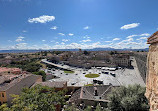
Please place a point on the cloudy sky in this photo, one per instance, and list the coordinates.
(60, 24)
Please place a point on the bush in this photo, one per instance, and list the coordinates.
(38, 98)
(129, 98)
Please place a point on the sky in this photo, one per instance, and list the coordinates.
(71, 24)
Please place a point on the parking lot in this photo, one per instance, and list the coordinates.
(117, 77)
(121, 76)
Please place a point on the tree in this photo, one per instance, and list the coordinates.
(98, 108)
(42, 73)
(129, 98)
(38, 98)
(32, 67)
(86, 52)
(88, 108)
(71, 108)
(4, 107)
(111, 53)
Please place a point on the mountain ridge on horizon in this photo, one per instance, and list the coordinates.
(94, 49)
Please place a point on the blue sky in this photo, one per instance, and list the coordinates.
(65, 24)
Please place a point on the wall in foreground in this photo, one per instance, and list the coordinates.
(141, 63)
(152, 77)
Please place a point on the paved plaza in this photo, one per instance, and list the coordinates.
(123, 77)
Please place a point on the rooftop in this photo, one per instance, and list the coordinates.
(59, 84)
(5, 69)
(88, 92)
(9, 83)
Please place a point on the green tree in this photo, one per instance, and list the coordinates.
(4, 107)
(86, 52)
(32, 67)
(98, 108)
(42, 73)
(111, 53)
(71, 108)
(88, 108)
(38, 98)
(129, 98)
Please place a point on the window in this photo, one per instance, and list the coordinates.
(2, 94)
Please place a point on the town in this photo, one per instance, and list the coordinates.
(78, 55)
(95, 73)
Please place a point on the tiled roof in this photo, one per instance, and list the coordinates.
(52, 84)
(5, 69)
(3, 79)
(87, 92)
(19, 78)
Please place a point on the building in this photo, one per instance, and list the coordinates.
(152, 72)
(4, 70)
(122, 60)
(91, 95)
(15, 84)
(58, 85)
(153, 38)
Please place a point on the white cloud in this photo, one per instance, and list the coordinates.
(142, 38)
(87, 27)
(54, 27)
(62, 43)
(19, 39)
(108, 41)
(88, 40)
(131, 36)
(145, 34)
(65, 40)
(130, 43)
(24, 31)
(43, 40)
(129, 26)
(115, 39)
(46, 46)
(19, 46)
(70, 34)
(86, 37)
(77, 45)
(42, 19)
(61, 34)
(127, 43)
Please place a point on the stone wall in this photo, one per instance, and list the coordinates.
(141, 59)
(152, 77)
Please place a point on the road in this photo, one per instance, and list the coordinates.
(57, 65)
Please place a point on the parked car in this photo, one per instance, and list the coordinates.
(114, 75)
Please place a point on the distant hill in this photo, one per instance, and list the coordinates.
(95, 49)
